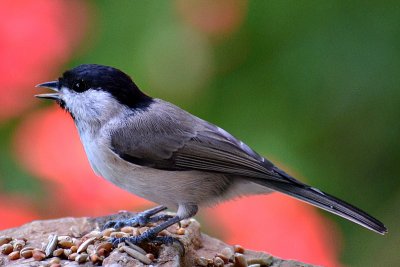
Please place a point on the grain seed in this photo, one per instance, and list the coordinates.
(118, 235)
(94, 258)
(107, 232)
(85, 244)
(238, 249)
(137, 248)
(38, 255)
(55, 260)
(218, 262)
(51, 246)
(97, 234)
(81, 258)
(180, 231)
(6, 249)
(64, 237)
(240, 260)
(227, 252)
(67, 252)
(107, 246)
(65, 243)
(223, 257)
(72, 256)
(185, 223)
(58, 252)
(5, 240)
(150, 256)
(102, 252)
(19, 244)
(201, 261)
(267, 260)
(27, 253)
(137, 255)
(14, 255)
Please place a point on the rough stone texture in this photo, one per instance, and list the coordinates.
(196, 245)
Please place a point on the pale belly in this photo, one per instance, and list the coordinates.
(169, 188)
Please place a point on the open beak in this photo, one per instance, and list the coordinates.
(51, 85)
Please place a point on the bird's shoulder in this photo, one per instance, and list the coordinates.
(165, 136)
(154, 132)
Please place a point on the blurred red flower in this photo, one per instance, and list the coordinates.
(214, 18)
(48, 144)
(35, 38)
(15, 211)
(280, 225)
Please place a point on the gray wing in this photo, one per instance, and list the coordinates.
(166, 137)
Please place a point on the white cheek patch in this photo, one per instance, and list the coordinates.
(90, 105)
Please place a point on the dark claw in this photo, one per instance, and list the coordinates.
(147, 236)
(109, 224)
(114, 224)
(115, 241)
(161, 217)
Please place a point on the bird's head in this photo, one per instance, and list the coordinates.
(95, 92)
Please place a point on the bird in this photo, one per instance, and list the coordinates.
(160, 152)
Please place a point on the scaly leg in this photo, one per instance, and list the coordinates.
(151, 234)
(184, 211)
(140, 219)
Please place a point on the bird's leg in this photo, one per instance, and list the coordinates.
(184, 211)
(151, 234)
(140, 219)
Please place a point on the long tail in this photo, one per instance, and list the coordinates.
(327, 202)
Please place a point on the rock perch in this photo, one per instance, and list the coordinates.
(81, 242)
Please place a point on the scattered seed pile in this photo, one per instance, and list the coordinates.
(73, 242)
(93, 246)
(233, 256)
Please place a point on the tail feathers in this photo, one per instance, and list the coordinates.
(327, 202)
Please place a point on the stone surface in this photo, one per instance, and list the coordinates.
(200, 249)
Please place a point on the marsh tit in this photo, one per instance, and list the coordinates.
(162, 153)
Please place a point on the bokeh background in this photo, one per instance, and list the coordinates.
(312, 85)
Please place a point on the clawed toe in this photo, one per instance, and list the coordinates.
(140, 219)
(151, 235)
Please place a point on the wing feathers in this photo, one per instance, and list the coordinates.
(168, 138)
(206, 157)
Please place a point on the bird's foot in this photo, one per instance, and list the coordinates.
(140, 219)
(150, 236)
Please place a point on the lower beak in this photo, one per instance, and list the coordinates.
(51, 85)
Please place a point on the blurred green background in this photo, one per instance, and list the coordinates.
(313, 85)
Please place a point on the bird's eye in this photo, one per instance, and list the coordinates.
(80, 86)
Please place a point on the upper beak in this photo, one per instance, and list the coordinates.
(51, 85)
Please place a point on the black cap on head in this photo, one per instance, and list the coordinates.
(109, 79)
